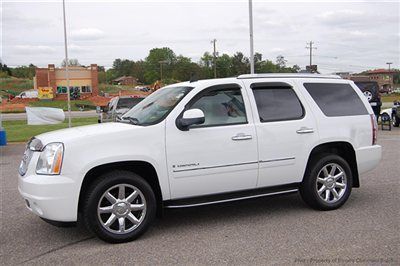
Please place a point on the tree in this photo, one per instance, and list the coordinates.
(24, 71)
(224, 66)
(4, 70)
(71, 62)
(280, 61)
(157, 57)
(240, 64)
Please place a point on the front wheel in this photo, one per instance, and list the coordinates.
(327, 182)
(119, 207)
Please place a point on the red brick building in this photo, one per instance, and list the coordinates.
(84, 79)
(384, 77)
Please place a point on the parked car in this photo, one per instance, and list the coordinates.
(30, 94)
(390, 113)
(370, 89)
(116, 107)
(396, 114)
(204, 142)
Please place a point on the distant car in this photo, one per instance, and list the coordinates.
(392, 114)
(118, 106)
(31, 94)
(370, 89)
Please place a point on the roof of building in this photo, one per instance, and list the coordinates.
(381, 71)
(123, 78)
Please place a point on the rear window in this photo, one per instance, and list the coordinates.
(336, 99)
(277, 104)
(128, 102)
(370, 86)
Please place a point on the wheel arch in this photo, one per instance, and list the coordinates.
(145, 169)
(343, 149)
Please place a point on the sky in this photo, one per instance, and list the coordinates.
(348, 35)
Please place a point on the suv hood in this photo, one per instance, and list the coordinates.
(75, 133)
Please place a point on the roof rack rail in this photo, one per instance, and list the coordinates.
(288, 75)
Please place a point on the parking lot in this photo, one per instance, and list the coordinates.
(274, 230)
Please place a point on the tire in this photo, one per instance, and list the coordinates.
(105, 195)
(310, 187)
(59, 224)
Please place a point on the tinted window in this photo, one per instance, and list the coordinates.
(222, 107)
(370, 86)
(336, 99)
(277, 103)
(128, 102)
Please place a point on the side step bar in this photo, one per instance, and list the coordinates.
(230, 196)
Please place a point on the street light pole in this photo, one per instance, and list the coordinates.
(66, 67)
(251, 37)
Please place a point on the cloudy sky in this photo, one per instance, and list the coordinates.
(349, 35)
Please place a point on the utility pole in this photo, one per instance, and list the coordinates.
(389, 63)
(310, 46)
(215, 57)
(66, 67)
(251, 37)
(161, 64)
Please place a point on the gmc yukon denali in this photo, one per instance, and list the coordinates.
(204, 142)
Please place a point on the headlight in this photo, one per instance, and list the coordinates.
(50, 159)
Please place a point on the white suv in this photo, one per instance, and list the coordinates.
(204, 142)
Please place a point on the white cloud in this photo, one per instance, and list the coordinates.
(34, 49)
(87, 34)
(77, 48)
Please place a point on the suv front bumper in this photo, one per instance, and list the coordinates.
(51, 197)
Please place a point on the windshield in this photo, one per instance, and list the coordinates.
(128, 102)
(156, 106)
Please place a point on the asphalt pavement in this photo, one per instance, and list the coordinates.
(276, 230)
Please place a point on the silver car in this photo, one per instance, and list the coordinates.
(116, 107)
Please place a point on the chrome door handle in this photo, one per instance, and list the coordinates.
(241, 136)
(305, 130)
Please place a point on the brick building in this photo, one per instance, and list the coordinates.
(384, 77)
(84, 79)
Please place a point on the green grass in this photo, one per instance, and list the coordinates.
(19, 131)
(15, 84)
(390, 97)
(109, 88)
(63, 104)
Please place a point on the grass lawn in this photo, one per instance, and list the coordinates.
(63, 104)
(390, 97)
(19, 131)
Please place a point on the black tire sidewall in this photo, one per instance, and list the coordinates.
(308, 188)
(97, 190)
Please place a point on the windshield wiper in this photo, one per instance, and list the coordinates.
(130, 120)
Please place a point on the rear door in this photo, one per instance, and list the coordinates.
(285, 129)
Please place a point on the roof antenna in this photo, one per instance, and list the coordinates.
(193, 77)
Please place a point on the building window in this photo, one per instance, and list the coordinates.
(61, 89)
(86, 89)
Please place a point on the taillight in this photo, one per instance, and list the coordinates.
(374, 126)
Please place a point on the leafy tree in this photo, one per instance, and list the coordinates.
(281, 61)
(24, 71)
(71, 62)
(240, 64)
(4, 69)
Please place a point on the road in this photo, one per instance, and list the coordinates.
(275, 230)
(22, 116)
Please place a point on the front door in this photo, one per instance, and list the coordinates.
(219, 155)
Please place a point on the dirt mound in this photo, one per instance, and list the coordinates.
(23, 101)
(98, 100)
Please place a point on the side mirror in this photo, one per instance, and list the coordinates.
(190, 117)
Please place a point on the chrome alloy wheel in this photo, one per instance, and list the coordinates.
(368, 94)
(331, 183)
(121, 209)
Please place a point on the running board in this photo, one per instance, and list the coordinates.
(230, 196)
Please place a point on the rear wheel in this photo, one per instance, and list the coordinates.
(396, 121)
(119, 207)
(327, 183)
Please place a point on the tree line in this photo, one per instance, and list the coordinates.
(172, 67)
